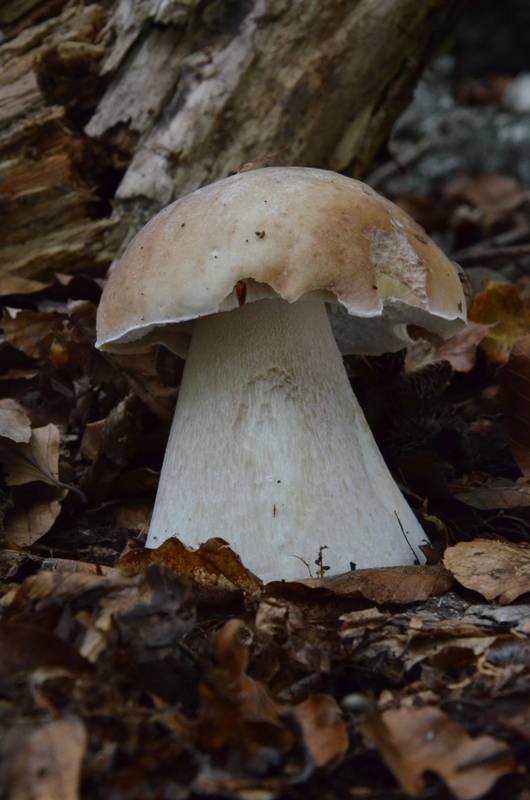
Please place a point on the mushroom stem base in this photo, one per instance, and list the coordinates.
(270, 450)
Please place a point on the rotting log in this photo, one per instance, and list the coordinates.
(108, 112)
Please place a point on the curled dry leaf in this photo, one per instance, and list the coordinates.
(46, 763)
(516, 401)
(413, 741)
(460, 350)
(497, 570)
(230, 698)
(503, 306)
(25, 463)
(214, 563)
(400, 585)
(14, 422)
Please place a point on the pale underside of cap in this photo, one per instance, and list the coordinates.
(288, 232)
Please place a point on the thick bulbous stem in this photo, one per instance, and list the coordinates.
(270, 450)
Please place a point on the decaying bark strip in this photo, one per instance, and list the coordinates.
(108, 112)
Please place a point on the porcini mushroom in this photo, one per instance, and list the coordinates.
(269, 448)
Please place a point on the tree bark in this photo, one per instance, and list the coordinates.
(110, 111)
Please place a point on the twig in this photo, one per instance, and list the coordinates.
(504, 253)
(514, 236)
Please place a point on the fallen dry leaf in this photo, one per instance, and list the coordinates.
(212, 564)
(14, 422)
(38, 460)
(28, 523)
(503, 306)
(46, 763)
(324, 730)
(413, 741)
(497, 570)
(400, 585)
(31, 331)
(516, 401)
(460, 350)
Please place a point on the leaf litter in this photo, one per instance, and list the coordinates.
(172, 673)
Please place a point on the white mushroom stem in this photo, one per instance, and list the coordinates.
(270, 450)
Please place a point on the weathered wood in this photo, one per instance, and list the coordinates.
(50, 210)
(108, 113)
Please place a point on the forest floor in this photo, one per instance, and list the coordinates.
(166, 674)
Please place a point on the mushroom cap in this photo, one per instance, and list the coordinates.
(288, 232)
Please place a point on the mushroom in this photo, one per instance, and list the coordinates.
(269, 448)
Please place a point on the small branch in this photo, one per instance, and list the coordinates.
(501, 253)
(518, 235)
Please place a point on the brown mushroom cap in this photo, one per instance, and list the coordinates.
(287, 232)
